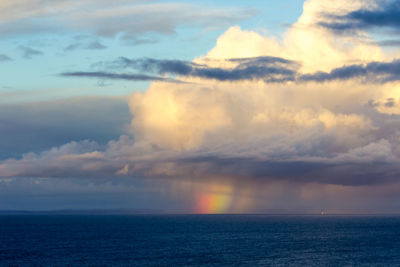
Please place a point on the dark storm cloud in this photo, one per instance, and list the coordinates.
(39, 126)
(28, 52)
(311, 161)
(352, 173)
(88, 160)
(386, 14)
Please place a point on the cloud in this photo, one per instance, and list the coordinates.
(319, 128)
(28, 52)
(37, 126)
(380, 13)
(4, 58)
(328, 138)
(124, 158)
(373, 72)
(134, 40)
(95, 45)
(116, 76)
(266, 68)
(127, 18)
(389, 43)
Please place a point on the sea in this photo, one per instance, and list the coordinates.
(199, 240)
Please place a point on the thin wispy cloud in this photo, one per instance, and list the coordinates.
(129, 19)
(95, 45)
(28, 52)
(116, 76)
(4, 58)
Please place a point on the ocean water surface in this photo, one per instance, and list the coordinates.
(199, 240)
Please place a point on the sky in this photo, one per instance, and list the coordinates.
(253, 106)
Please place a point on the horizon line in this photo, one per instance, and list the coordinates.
(161, 212)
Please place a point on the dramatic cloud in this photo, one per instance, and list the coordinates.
(124, 158)
(322, 132)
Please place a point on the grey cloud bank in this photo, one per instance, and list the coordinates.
(39, 126)
(269, 69)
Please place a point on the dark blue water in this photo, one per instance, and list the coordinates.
(205, 240)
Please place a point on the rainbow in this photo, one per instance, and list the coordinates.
(213, 203)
